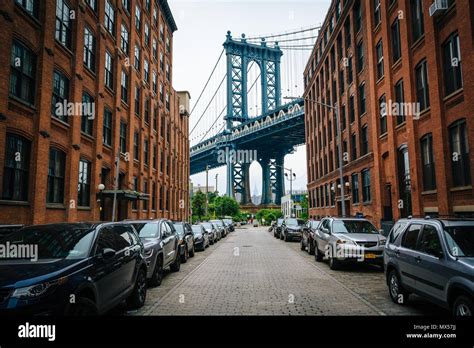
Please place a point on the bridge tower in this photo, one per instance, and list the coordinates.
(240, 54)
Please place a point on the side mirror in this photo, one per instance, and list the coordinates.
(108, 253)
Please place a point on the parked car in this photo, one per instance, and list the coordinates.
(186, 240)
(307, 238)
(433, 258)
(291, 229)
(201, 237)
(230, 224)
(277, 228)
(161, 247)
(101, 264)
(211, 229)
(343, 240)
(221, 226)
(5, 230)
(219, 231)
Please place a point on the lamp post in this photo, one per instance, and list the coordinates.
(217, 175)
(207, 189)
(291, 178)
(335, 108)
(101, 188)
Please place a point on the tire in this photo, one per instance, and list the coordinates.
(281, 235)
(302, 247)
(310, 247)
(285, 238)
(82, 307)
(157, 276)
(185, 256)
(176, 265)
(463, 306)
(318, 256)
(191, 253)
(397, 293)
(334, 264)
(138, 296)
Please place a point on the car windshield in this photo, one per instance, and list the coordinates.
(314, 224)
(53, 241)
(279, 222)
(207, 226)
(352, 226)
(179, 228)
(460, 240)
(294, 222)
(228, 221)
(197, 229)
(217, 222)
(147, 230)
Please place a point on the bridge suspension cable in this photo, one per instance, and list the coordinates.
(284, 34)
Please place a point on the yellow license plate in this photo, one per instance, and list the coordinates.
(370, 256)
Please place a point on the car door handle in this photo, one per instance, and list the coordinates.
(397, 252)
(418, 259)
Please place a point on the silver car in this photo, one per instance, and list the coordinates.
(212, 232)
(342, 240)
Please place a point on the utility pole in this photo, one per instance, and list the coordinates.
(207, 189)
(291, 178)
(217, 175)
(117, 171)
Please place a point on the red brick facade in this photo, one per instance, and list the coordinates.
(445, 123)
(163, 128)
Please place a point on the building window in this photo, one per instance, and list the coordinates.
(350, 74)
(126, 5)
(125, 40)
(364, 141)
(383, 114)
(396, 43)
(145, 190)
(355, 188)
(347, 29)
(379, 52)
(429, 177)
(89, 49)
(136, 145)
(417, 19)
(167, 72)
(167, 101)
(83, 191)
(138, 16)
(155, 49)
(109, 17)
(422, 92)
(60, 95)
(109, 70)
(459, 146)
(147, 34)
(124, 87)
(107, 129)
(362, 100)
(353, 146)
(400, 99)
(366, 186)
(23, 73)
(351, 109)
(137, 100)
(154, 82)
(146, 157)
(155, 153)
(155, 15)
(147, 110)
(137, 58)
(87, 119)
(30, 6)
(63, 23)
(452, 64)
(357, 16)
(377, 12)
(146, 69)
(56, 174)
(343, 117)
(360, 56)
(162, 62)
(123, 137)
(16, 168)
(404, 180)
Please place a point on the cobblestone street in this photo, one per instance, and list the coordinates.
(251, 273)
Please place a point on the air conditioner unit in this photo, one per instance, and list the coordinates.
(438, 7)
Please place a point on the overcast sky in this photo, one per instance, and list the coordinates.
(202, 26)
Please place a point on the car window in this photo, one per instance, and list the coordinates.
(165, 230)
(460, 240)
(146, 230)
(411, 236)
(396, 231)
(325, 224)
(429, 242)
(133, 235)
(115, 238)
(171, 228)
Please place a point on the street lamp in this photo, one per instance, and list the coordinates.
(291, 178)
(101, 188)
(335, 108)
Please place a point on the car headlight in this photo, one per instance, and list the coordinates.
(148, 252)
(37, 290)
(344, 241)
(382, 242)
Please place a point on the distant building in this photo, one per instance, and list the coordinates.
(202, 189)
(291, 205)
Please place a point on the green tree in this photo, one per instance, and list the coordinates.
(198, 204)
(226, 206)
(304, 206)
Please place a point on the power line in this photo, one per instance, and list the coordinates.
(208, 80)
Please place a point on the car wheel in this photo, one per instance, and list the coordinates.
(157, 276)
(334, 263)
(82, 307)
(397, 293)
(318, 255)
(310, 247)
(184, 257)
(302, 245)
(176, 265)
(191, 253)
(137, 298)
(286, 239)
(463, 307)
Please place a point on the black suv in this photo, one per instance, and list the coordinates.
(186, 240)
(433, 258)
(96, 265)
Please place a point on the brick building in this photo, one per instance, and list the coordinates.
(80, 82)
(403, 80)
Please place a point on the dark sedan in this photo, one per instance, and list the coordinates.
(307, 238)
(277, 228)
(186, 240)
(201, 237)
(101, 265)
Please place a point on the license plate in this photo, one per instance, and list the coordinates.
(370, 256)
